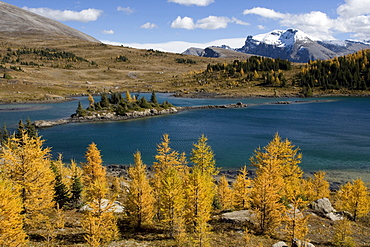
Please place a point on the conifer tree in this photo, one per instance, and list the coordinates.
(317, 187)
(128, 97)
(4, 134)
(30, 128)
(140, 199)
(11, 226)
(62, 194)
(80, 111)
(225, 194)
(342, 236)
(76, 186)
(242, 189)
(153, 99)
(267, 185)
(201, 191)
(91, 102)
(27, 164)
(354, 198)
(165, 158)
(21, 128)
(99, 222)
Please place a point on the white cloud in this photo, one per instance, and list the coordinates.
(186, 23)
(180, 46)
(193, 2)
(260, 27)
(353, 18)
(267, 13)
(148, 25)
(126, 10)
(240, 22)
(211, 22)
(85, 15)
(108, 31)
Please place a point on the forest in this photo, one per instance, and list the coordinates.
(172, 202)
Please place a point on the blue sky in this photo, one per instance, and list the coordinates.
(174, 25)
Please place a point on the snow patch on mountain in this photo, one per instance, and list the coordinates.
(283, 38)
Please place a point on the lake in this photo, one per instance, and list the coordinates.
(333, 134)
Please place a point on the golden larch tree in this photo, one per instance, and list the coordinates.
(99, 221)
(225, 194)
(242, 189)
(11, 226)
(317, 187)
(268, 186)
(201, 191)
(354, 198)
(140, 198)
(166, 158)
(27, 164)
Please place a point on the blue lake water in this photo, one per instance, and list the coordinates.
(334, 134)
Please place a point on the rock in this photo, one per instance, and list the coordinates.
(334, 216)
(238, 216)
(300, 243)
(280, 244)
(322, 206)
(44, 124)
(116, 207)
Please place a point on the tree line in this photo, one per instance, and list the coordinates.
(178, 192)
(347, 72)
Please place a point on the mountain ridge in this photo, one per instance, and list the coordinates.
(15, 22)
(292, 44)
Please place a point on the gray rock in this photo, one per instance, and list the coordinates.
(238, 216)
(322, 207)
(334, 216)
(116, 207)
(300, 243)
(280, 244)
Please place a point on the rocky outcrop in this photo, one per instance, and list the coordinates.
(115, 206)
(280, 244)
(238, 216)
(300, 243)
(324, 208)
(112, 116)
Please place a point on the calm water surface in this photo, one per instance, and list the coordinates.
(331, 135)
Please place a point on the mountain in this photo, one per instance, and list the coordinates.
(218, 52)
(296, 46)
(17, 22)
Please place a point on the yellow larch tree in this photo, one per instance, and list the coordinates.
(354, 198)
(27, 164)
(201, 191)
(268, 186)
(11, 227)
(317, 187)
(166, 158)
(242, 189)
(99, 221)
(140, 198)
(225, 194)
(172, 204)
(342, 236)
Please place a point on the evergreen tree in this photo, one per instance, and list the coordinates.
(4, 134)
(76, 187)
(153, 99)
(80, 111)
(11, 227)
(62, 194)
(140, 199)
(20, 130)
(31, 128)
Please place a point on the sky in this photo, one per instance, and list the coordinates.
(175, 25)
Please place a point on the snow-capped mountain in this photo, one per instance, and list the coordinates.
(296, 46)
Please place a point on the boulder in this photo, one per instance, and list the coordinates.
(322, 207)
(300, 243)
(280, 244)
(238, 216)
(117, 207)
